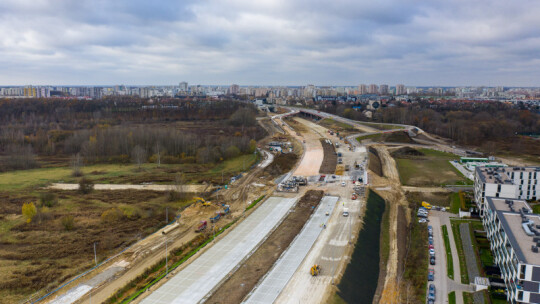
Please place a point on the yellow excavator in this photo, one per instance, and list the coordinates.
(202, 201)
(315, 270)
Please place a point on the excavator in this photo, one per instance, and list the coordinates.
(202, 201)
(315, 270)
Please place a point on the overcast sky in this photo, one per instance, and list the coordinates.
(270, 42)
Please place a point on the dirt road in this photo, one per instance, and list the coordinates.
(395, 197)
(177, 188)
(313, 155)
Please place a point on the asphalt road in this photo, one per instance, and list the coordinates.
(441, 286)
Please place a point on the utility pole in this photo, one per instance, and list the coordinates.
(166, 215)
(95, 255)
(166, 258)
(222, 177)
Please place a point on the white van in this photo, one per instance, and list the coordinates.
(345, 211)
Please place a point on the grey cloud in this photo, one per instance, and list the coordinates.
(435, 42)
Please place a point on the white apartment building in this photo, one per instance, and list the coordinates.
(507, 182)
(514, 235)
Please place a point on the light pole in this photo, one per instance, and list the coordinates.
(166, 215)
(166, 258)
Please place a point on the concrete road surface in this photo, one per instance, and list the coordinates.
(280, 274)
(194, 282)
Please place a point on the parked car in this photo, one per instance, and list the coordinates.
(431, 246)
(422, 220)
(431, 275)
(421, 215)
(431, 302)
(431, 293)
(343, 184)
(430, 228)
(432, 252)
(432, 260)
(431, 241)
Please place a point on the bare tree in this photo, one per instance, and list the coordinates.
(76, 164)
(138, 155)
(158, 149)
(20, 157)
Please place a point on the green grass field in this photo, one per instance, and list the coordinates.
(337, 125)
(449, 260)
(381, 126)
(129, 173)
(432, 169)
(452, 298)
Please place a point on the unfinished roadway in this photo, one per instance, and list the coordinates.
(193, 283)
(280, 274)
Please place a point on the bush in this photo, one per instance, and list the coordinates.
(48, 199)
(68, 222)
(29, 210)
(86, 185)
(112, 215)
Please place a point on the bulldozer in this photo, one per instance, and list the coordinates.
(202, 201)
(315, 270)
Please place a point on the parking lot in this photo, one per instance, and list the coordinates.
(441, 284)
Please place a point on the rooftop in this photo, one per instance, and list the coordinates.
(501, 175)
(510, 215)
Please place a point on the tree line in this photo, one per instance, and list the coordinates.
(486, 124)
(120, 130)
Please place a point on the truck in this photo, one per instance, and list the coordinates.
(202, 226)
(345, 212)
(426, 205)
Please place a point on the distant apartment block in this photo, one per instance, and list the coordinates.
(506, 182)
(514, 235)
(400, 89)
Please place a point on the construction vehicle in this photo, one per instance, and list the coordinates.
(215, 218)
(315, 270)
(202, 201)
(426, 205)
(226, 209)
(202, 226)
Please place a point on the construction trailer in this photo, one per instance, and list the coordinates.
(288, 186)
(299, 180)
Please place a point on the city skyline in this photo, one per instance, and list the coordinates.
(272, 43)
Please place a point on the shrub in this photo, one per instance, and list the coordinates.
(29, 210)
(86, 185)
(112, 215)
(68, 222)
(48, 199)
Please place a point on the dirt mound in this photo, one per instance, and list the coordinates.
(330, 158)
(374, 162)
(282, 163)
(399, 137)
(405, 152)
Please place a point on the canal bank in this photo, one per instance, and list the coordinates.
(359, 282)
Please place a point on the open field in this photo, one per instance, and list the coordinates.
(396, 137)
(435, 198)
(126, 174)
(431, 169)
(338, 126)
(382, 127)
(45, 252)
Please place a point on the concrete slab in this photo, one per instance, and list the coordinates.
(194, 282)
(278, 277)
